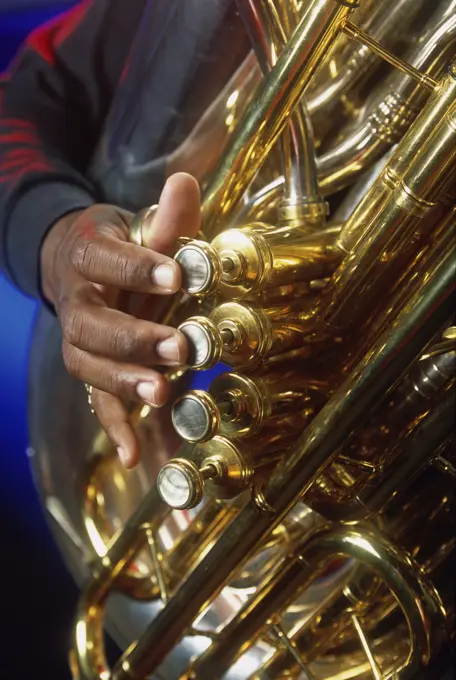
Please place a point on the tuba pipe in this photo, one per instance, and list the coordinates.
(387, 114)
(402, 159)
(396, 204)
(386, 23)
(415, 455)
(301, 201)
(371, 378)
(426, 624)
(260, 128)
(389, 111)
(309, 531)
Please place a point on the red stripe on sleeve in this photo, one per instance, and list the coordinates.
(53, 33)
(73, 19)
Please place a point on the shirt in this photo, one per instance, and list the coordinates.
(91, 105)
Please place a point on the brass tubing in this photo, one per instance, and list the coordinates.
(326, 624)
(389, 111)
(423, 611)
(261, 126)
(381, 123)
(395, 233)
(202, 531)
(87, 658)
(386, 22)
(269, 36)
(416, 453)
(378, 371)
(380, 439)
(403, 158)
(440, 246)
(259, 203)
(356, 33)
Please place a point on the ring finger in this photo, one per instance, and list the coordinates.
(126, 381)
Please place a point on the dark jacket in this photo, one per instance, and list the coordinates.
(60, 130)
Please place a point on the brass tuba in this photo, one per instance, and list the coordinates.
(294, 518)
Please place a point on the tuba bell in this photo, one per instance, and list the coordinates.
(293, 514)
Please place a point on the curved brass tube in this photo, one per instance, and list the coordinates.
(260, 128)
(386, 22)
(389, 222)
(381, 122)
(421, 606)
(390, 110)
(268, 33)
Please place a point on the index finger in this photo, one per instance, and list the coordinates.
(109, 261)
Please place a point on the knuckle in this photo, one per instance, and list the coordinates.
(72, 360)
(83, 257)
(125, 343)
(131, 272)
(72, 321)
(118, 384)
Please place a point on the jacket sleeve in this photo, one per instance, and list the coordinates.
(53, 104)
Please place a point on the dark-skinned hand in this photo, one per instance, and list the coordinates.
(89, 271)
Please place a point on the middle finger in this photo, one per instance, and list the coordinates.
(119, 336)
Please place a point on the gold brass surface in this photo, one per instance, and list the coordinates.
(243, 262)
(312, 38)
(293, 516)
(244, 335)
(376, 373)
(238, 405)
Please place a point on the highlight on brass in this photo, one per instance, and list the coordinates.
(242, 262)
(293, 515)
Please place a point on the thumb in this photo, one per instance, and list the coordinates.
(178, 214)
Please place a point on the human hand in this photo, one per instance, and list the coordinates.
(89, 272)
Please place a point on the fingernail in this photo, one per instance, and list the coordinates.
(169, 349)
(124, 457)
(165, 276)
(146, 392)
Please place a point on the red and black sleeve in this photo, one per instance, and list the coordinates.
(53, 104)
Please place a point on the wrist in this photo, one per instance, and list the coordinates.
(49, 252)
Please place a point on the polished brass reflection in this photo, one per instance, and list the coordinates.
(221, 468)
(243, 262)
(295, 516)
(238, 405)
(243, 335)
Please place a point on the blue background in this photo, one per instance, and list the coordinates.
(38, 597)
